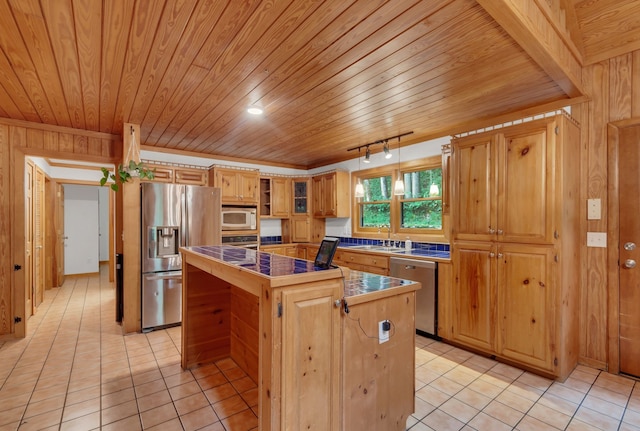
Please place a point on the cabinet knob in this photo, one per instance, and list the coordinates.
(500, 232)
(492, 231)
(500, 255)
(492, 254)
(629, 263)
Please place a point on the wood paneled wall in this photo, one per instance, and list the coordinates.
(614, 90)
(17, 139)
(5, 233)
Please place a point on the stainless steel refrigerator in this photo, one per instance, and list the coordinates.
(172, 216)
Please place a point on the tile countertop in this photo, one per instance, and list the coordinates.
(358, 286)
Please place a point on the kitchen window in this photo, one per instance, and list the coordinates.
(417, 212)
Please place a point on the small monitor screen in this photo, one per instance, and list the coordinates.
(326, 251)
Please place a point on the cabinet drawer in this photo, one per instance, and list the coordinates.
(162, 174)
(188, 176)
(349, 257)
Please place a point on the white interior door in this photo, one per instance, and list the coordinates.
(82, 229)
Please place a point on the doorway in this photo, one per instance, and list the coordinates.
(82, 229)
(624, 247)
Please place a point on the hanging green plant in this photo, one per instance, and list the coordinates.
(133, 169)
(124, 174)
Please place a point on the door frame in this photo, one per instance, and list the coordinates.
(18, 157)
(613, 242)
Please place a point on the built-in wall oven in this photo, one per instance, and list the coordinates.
(246, 241)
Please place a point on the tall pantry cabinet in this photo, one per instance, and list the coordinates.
(516, 243)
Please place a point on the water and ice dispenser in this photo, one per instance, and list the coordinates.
(164, 241)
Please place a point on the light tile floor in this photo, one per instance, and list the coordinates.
(75, 371)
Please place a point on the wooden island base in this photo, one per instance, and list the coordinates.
(317, 368)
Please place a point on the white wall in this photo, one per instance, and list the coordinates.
(103, 218)
(81, 227)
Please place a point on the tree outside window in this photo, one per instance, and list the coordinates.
(421, 205)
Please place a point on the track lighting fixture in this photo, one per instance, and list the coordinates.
(367, 155)
(387, 152)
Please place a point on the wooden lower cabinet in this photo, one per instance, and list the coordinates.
(300, 229)
(504, 303)
(376, 398)
(283, 250)
(473, 296)
(526, 309)
(366, 262)
(311, 352)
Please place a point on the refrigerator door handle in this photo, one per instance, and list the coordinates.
(163, 275)
(184, 241)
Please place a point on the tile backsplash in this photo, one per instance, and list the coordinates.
(346, 241)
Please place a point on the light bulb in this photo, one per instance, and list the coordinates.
(434, 190)
(398, 188)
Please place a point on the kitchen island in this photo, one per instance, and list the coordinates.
(309, 337)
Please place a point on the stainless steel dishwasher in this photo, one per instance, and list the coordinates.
(426, 298)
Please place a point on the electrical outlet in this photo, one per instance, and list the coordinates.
(594, 209)
(596, 239)
(383, 334)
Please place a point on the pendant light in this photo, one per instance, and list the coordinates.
(367, 155)
(359, 193)
(398, 188)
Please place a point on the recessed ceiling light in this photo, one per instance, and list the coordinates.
(254, 110)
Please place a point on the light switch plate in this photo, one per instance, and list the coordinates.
(594, 209)
(596, 239)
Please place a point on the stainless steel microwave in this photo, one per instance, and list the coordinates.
(239, 218)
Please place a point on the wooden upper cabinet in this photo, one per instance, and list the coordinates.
(475, 192)
(275, 197)
(237, 186)
(331, 194)
(280, 197)
(300, 190)
(504, 185)
(194, 177)
(178, 175)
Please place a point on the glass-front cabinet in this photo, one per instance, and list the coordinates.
(300, 196)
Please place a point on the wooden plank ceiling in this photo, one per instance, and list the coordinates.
(330, 75)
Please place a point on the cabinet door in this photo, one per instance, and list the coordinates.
(193, 177)
(280, 197)
(474, 295)
(525, 304)
(474, 188)
(227, 181)
(527, 178)
(300, 229)
(317, 194)
(329, 189)
(300, 204)
(248, 186)
(291, 251)
(311, 352)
